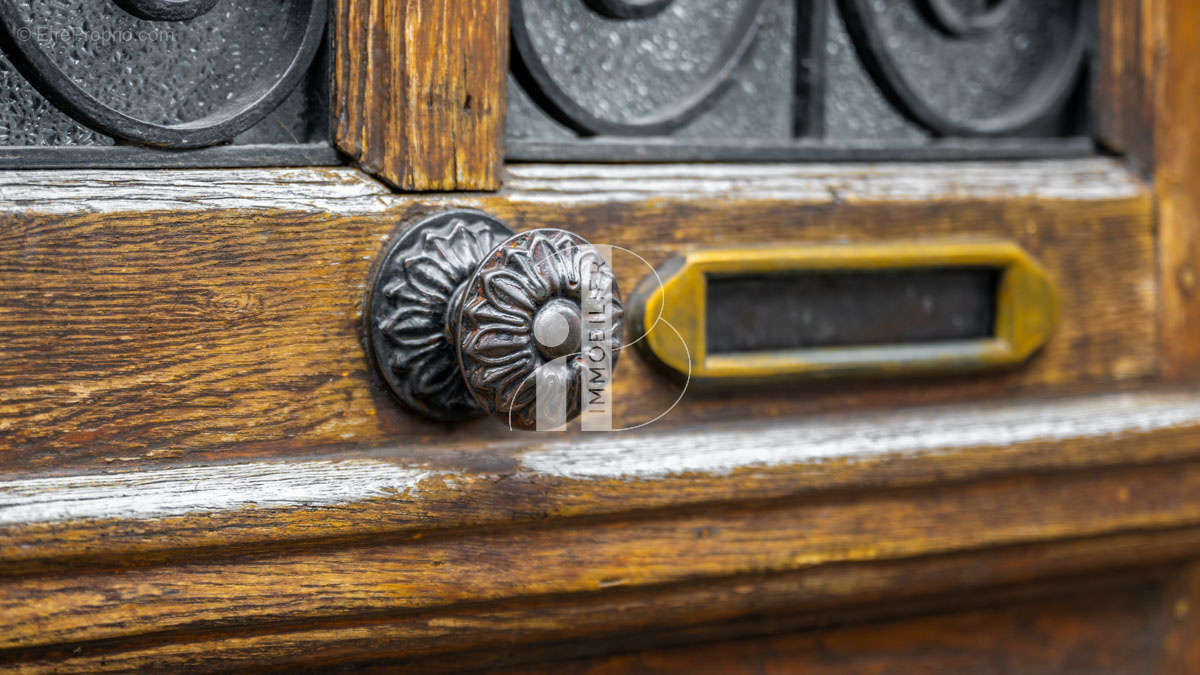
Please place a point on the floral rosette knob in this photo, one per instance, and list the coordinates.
(464, 318)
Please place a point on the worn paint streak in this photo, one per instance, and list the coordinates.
(205, 489)
(850, 437)
(112, 191)
(202, 489)
(1086, 179)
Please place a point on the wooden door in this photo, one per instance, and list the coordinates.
(203, 466)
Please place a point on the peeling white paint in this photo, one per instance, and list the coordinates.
(1083, 179)
(143, 495)
(859, 436)
(343, 190)
(204, 489)
(108, 191)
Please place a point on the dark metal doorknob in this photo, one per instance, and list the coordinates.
(463, 316)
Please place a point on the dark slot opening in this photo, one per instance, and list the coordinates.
(844, 308)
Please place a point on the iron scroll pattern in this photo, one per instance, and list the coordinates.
(858, 73)
(54, 70)
(1044, 94)
(669, 117)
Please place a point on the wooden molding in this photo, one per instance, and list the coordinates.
(419, 90)
(141, 515)
(158, 317)
(1113, 623)
(572, 579)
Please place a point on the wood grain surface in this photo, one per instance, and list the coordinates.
(417, 595)
(206, 316)
(1146, 110)
(418, 93)
(199, 472)
(1177, 182)
(134, 513)
(1085, 630)
(1131, 40)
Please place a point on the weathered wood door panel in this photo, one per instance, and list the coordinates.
(201, 468)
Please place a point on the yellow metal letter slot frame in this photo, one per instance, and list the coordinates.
(1026, 310)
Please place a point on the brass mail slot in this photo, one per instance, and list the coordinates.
(881, 308)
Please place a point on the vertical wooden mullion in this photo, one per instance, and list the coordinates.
(1148, 109)
(1176, 26)
(1124, 82)
(418, 90)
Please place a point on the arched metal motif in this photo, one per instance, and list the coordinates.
(956, 21)
(629, 9)
(167, 10)
(1044, 97)
(302, 31)
(554, 99)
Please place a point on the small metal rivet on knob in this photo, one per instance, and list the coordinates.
(464, 316)
(556, 328)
